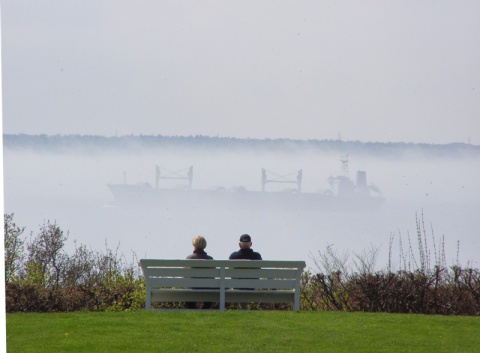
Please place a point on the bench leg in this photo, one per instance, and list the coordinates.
(148, 300)
(222, 301)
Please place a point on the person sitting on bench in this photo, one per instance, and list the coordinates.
(199, 244)
(245, 252)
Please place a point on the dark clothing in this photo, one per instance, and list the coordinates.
(245, 254)
(199, 254)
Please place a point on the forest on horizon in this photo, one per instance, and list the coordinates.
(98, 143)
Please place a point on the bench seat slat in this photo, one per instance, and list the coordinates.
(182, 272)
(215, 283)
(243, 296)
(260, 283)
(185, 282)
(215, 272)
(261, 273)
(185, 295)
(267, 296)
(222, 263)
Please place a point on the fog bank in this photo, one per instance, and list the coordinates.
(71, 189)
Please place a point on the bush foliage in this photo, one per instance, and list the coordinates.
(47, 279)
(420, 285)
(41, 277)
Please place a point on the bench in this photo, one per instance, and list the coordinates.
(221, 281)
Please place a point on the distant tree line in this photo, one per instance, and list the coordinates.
(132, 143)
(42, 277)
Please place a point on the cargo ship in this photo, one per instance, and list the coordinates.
(344, 194)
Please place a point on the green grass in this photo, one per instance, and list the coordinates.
(241, 331)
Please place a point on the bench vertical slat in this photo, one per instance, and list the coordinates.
(222, 288)
(148, 301)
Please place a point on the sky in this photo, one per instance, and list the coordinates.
(371, 71)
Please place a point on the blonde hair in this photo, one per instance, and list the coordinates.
(199, 242)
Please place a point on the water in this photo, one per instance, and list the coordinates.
(70, 188)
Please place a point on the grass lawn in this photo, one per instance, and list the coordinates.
(241, 331)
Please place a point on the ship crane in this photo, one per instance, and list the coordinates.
(282, 179)
(344, 161)
(174, 175)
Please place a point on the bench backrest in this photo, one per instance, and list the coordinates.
(222, 274)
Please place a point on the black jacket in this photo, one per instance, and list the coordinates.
(245, 254)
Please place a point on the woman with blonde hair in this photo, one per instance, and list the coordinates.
(199, 244)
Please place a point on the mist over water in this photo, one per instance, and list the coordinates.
(71, 189)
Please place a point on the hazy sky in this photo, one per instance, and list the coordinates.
(362, 70)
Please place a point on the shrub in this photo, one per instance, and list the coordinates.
(14, 247)
(47, 279)
(416, 287)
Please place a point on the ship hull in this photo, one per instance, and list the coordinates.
(146, 195)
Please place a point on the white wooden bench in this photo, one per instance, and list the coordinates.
(221, 281)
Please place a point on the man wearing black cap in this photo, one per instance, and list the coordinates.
(245, 253)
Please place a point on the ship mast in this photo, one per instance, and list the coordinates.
(344, 161)
(282, 179)
(188, 177)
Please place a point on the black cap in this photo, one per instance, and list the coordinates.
(245, 238)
